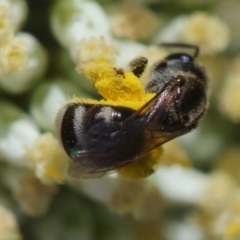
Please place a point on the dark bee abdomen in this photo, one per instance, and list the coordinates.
(83, 121)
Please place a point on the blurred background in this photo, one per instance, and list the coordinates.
(195, 192)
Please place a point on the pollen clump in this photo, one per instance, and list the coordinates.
(117, 86)
(144, 166)
(111, 80)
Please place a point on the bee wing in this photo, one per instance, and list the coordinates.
(78, 170)
(159, 122)
(108, 147)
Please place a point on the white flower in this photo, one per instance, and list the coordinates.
(47, 159)
(8, 227)
(208, 32)
(17, 131)
(229, 98)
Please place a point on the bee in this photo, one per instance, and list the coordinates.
(99, 138)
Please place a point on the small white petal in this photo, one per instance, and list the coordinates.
(180, 184)
(16, 134)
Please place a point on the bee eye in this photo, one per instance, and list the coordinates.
(192, 102)
(183, 57)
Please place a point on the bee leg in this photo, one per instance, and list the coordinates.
(138, 66)
(119, 71)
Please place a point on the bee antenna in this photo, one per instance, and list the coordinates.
(182, 45)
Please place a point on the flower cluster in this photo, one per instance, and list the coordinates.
(13, 52)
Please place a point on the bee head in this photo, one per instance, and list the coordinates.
(191, 99)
